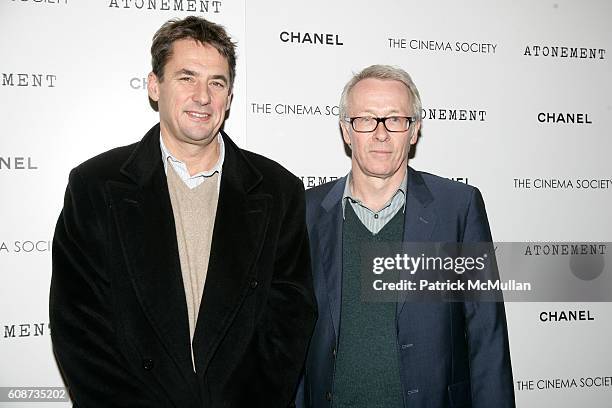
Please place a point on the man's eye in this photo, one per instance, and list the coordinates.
(366, 119)
(217, 84)
(395, 119)
(186, 79)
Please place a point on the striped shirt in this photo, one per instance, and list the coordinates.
(374, 221)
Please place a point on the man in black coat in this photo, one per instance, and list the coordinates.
(124, 327)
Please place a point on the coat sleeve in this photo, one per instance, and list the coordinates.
(278, 348)
(81, 318)
(487, 333)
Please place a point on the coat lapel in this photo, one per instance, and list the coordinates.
(420, 219)
(145, 222)
(330, 246)
(238, 236)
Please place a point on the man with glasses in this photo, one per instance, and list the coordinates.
(388, 355)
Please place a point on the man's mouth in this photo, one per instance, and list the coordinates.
(198, 115)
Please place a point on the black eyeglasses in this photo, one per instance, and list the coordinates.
(366, 124)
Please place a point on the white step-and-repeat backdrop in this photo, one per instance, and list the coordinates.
(516, 98)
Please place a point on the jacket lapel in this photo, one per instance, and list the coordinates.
(419, 223)
(238, 237)
(420, 219)
(329, 229)
(145, 222)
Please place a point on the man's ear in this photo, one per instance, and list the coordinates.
(229, 100)
(415, 132)
(153, 87)
(345, 133)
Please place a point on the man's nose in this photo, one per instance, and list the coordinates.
(380, 133)
(201, 94)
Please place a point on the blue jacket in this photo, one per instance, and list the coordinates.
(451, 354)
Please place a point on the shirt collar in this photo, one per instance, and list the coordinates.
(167, 156)
(348, 195)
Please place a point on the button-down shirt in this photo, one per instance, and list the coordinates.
(181, 168)
(374, 221)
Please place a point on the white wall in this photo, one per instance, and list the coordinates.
(92, 57)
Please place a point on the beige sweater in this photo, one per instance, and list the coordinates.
(194, 217)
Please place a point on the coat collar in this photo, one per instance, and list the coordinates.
(415, 185)
(147, 233)
(144, 161)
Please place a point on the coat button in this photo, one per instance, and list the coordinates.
(328, 396)
(147, 364)
(253, 284)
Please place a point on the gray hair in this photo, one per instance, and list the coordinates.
(384, 72)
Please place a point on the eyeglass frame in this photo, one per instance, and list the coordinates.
(411, 120)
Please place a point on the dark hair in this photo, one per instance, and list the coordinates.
(198, 29)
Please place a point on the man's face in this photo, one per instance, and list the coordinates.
(194, 94)
(381, 153)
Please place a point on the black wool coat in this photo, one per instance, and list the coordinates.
(117, 304)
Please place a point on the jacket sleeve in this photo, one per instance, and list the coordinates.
(487, 333)
(81, 318)
(278, 348)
